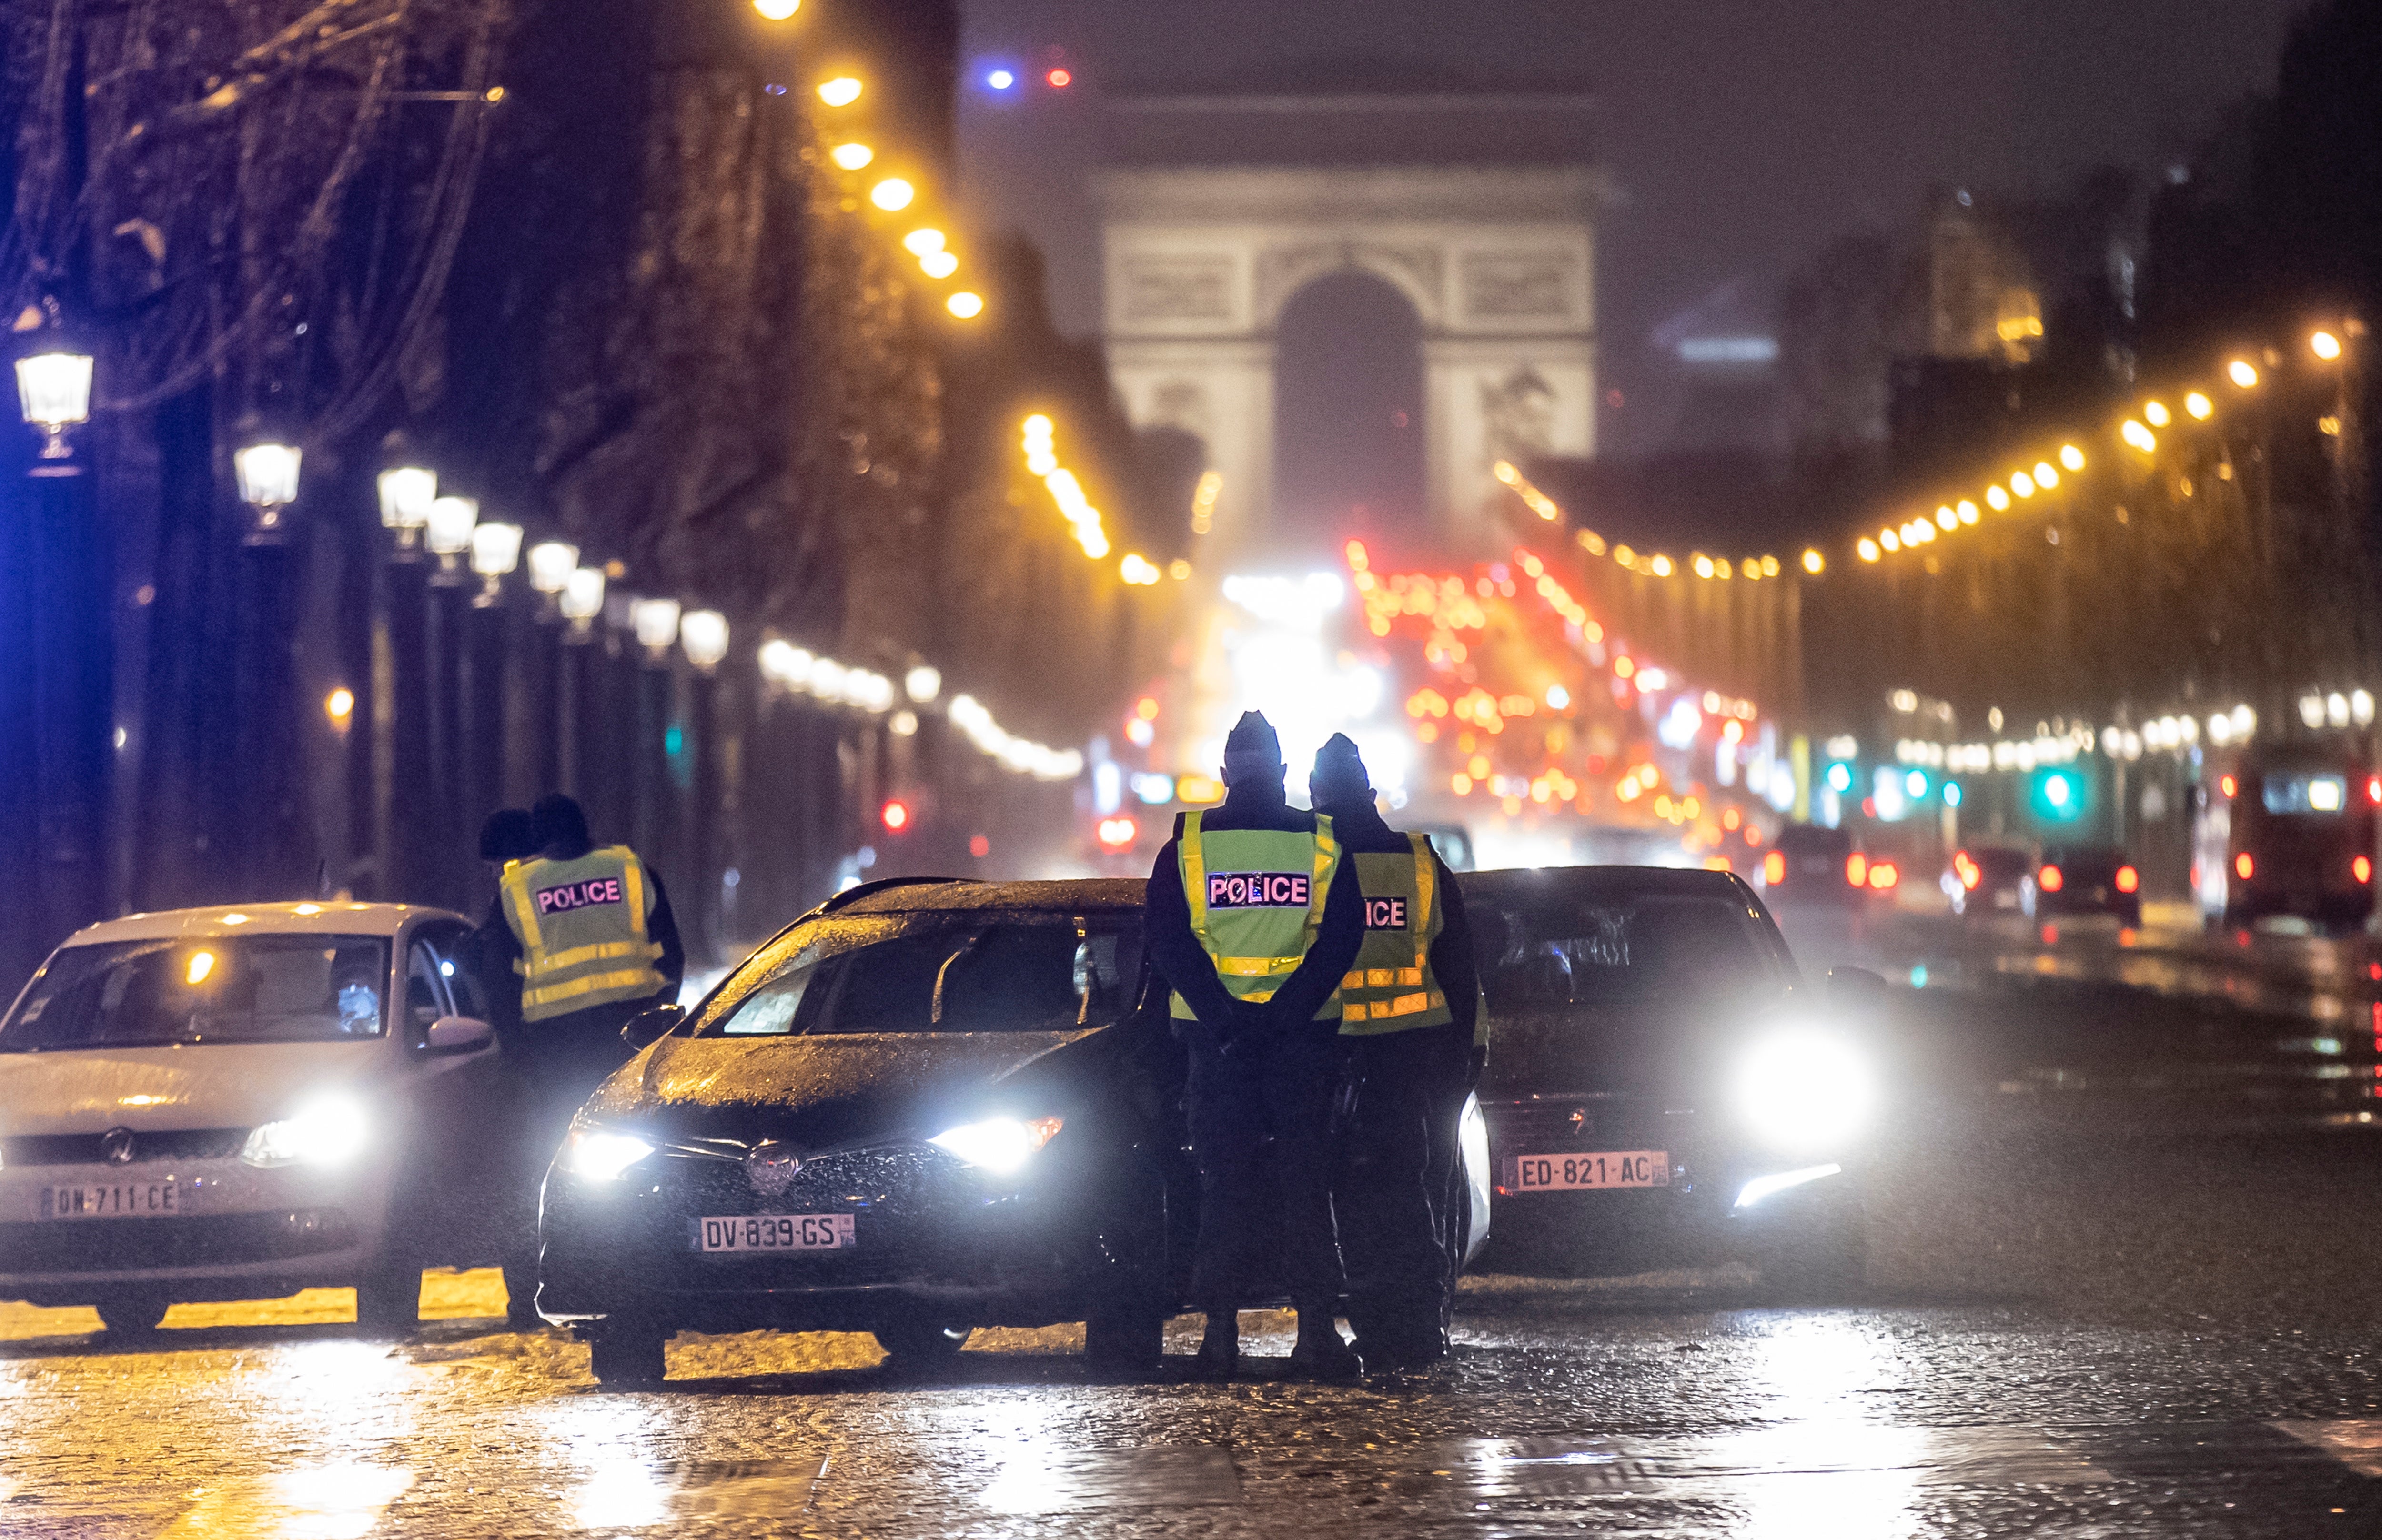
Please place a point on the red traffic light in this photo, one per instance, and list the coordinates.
(895, 815)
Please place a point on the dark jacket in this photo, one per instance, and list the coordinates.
(1179, 956)
(1361, 830)
(498, 949)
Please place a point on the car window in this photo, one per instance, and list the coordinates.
(950, 973)
(1801, 839)
(453, 949)
(425, 990)
(2299, 792)
(244, 989)
(1595, 949)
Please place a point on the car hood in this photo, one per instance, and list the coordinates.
(157, 1089)
(823, 1093)
(1670, 1049)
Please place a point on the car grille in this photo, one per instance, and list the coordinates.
(85, 1149)
(119, 1245)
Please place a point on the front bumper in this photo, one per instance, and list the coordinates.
(237, 1233)
(931, 1236)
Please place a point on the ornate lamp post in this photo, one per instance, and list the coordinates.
(656, 621)
(551, 563)
(406, 493)
(496, 551)
(53, 393)
(448, 536)
(267, 475)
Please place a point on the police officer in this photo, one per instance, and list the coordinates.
(1409, 1011)
(589, 935)
(1250, 924)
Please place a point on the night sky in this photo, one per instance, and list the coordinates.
(1742, 136)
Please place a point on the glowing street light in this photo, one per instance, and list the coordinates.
(892, 194)
(2073, 458)
(2200, 406)
(841, 92)
(777, 10)
(1814, 563)
(339, 705)
(2324, 346)
(267, 475)
(551, 563)
(923, 242)
(448, 535)
(582, 598)
(53, 393)
(654, 621)
(704, 634)
(939, 265)
(853, 156)
(495, 550)
(967, 304)
(923, 683)
(2154, 414)
(406, 493)
(2241, 373)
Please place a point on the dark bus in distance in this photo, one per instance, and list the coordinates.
(2290, 830)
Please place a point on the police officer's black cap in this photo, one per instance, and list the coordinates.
(560, 821)
(1252, 750)
(1339, 774)
(508, 834)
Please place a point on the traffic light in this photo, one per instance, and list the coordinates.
(895, 815)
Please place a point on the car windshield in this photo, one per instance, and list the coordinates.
(2002, 863)
(214, 989)
(1606, 947)
(956, 973)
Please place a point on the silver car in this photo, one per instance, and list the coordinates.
(242, 1103)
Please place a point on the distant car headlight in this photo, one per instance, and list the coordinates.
(601, 1155)
(1804, 1090)
(328, 1131)
(998, 1144)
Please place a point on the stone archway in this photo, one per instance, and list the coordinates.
(1349, 413)
(1496, 261)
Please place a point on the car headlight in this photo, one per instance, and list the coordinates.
(998, 1144)
(601, 1155)
(330, 1132)
(1806, 1090)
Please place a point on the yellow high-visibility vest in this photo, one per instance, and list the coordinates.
(1391, 987)
(581, 928)
(1257, 900)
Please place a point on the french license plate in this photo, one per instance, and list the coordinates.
(1572, 1173)
(124, 1200)
(773, 1232)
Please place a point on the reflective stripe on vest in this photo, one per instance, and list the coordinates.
(1391, 987)
(581, 928)
(1257, 900)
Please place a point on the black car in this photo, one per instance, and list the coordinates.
(2086, 879)
(1811, 864)
(924, 1107)
(1664, 1086)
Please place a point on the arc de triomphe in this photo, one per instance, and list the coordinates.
(1199, 263)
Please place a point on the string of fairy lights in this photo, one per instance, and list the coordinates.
(1652, 564)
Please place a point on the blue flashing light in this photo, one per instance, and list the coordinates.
(1001, 79)
(1840, 777)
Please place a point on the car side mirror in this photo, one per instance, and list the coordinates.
(458, 1034)
(650, 1027)
(1857, 984)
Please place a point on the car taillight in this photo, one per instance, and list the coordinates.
(1968, 871)
(1773, 868)
(2049, 879)
(2243, 866)
(1883, 876)
(1857, 869)
(2227, 785)
(2373, 794)
(2362, 869)
(2128, 879)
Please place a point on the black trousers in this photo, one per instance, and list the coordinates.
(1398, 1184)
(1261, 1121)
(555, 1065)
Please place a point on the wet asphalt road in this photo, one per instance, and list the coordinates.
(2126, 1279)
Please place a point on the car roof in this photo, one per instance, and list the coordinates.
(1075, 896)
(1812, 835)
(1526, 882)
(296, 918)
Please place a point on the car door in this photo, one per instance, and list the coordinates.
(464, 1108)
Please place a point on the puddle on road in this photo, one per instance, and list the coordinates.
(1036, 1480)
(644, 1494)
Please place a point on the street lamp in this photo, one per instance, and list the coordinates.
(406, 493)
(550, 565)
(704, 634)
(53, 393)
(495, 550)
(965, 304)
(923, 683)
(582, 599)
(267, 475)
(448, 535)
(2324, 346)
(655, 623)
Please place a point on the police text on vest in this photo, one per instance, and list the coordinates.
(1256, 890)
(579, 895)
